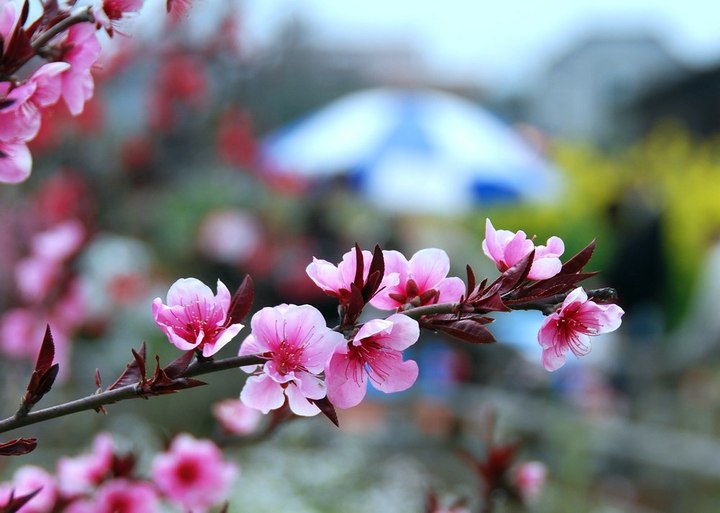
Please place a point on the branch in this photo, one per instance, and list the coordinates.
(549, 304)
(438, 308)
(136, 390)
(81, 16)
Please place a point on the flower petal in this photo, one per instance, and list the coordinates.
(262, 393)
(299, 403)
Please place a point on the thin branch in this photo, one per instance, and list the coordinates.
(549, 304)
(95, 401)
(81, 16)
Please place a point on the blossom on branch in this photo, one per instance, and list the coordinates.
(297, 345)
(193, 474)
(194, 318)
(375, 353)
(81, 50)
(506, 249)
(421, 280)
(570, 327)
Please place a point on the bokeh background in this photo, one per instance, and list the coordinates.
(181, 166)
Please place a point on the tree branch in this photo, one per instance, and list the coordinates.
(97, 400)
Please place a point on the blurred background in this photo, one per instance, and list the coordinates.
(253, 135)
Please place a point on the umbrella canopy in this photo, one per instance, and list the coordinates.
(410, 150)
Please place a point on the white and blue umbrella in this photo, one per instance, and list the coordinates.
(413, 150)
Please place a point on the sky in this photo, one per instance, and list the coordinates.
(495, 42)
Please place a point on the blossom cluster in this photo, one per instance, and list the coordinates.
(309, 366)
(67, 41)
(192, 475)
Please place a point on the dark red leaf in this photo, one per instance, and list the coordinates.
(580, 260)
(179, 365)
(242, 301)
(467, 330)
(18, 447)
(24, 13)
(98, 380)
(47, 351)
(470, 279)
(375, 274)
(354, 305)
(15, 503)
(327, 409)
(359, 267)
(135, 370)
(514, 276)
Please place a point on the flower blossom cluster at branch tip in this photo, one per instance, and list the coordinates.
(506, 249)
(194, 318)
(333, 280)
(570, 327)
(375, 353)
(421, 280)
(194, 474)
(297, 345)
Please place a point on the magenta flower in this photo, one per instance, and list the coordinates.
(421, 280)
(506, 249)
(29, 478)
(82, 473)
(82, 50)
(570, 328)
(335, 279)
(195, 319)
(375, 353)
(124, 496)
(297, 345)
(193, 474)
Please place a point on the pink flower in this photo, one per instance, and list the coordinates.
(236, 418)
(20, 121)
(530, 478)
(335, 280)
(82, 50)
(193, 474)
(15, 162)
(29, 478)
(123, 496)
(82, 473)
(421, 280)
(570, 327)
(297, 345)
(21, 333)
(376, 353)
(194, 318)
(59, 242)
(506, 249)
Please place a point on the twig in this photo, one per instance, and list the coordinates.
(95, 401)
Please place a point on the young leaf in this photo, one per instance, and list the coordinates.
(14, 504)
(579, 261)
(241, 301)
(359, 267)
(18, 447)
(179, 365)
(135, 370)
(467, 330)
(327, 409)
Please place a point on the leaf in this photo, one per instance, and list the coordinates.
(470, 279)
(359, 267)
(580, 260)
(327, 409)
(375, 274)
(47, 351)
(161, 383)
(134, 371)
(514, 276)
(467, 330)
(18, 447)
(43, 377)
(14, 504)
(241, 302)
(354, 306)
(179, 365)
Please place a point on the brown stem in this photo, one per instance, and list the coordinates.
(81, 16)
(95, 401)
(549, 304)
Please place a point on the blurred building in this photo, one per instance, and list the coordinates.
(692, 99)
(581, 94)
